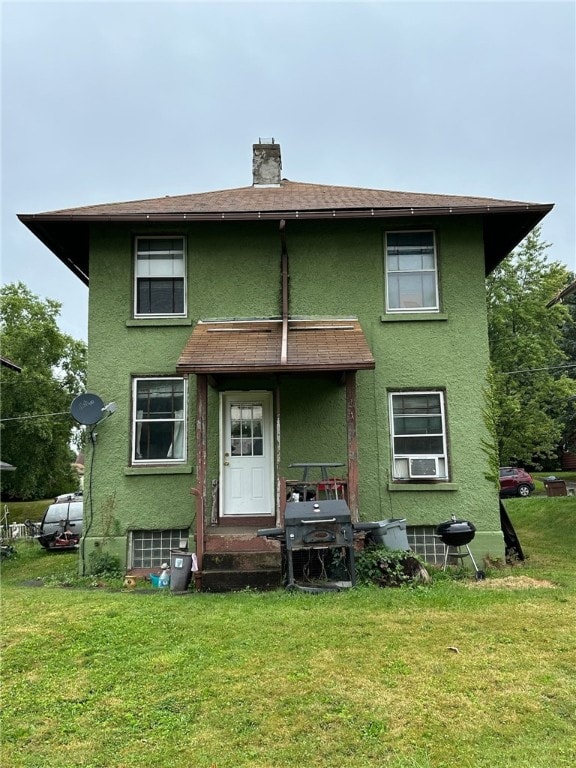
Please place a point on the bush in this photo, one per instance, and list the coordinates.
(389, 568)
(103, 564)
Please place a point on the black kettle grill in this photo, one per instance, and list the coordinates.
(455, 534)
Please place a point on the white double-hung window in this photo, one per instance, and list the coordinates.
(418, 433)
(159, 421)
(411, 272)
(160, 277)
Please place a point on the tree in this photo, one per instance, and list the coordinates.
(36, 427)
(569, 348)
(531, 386)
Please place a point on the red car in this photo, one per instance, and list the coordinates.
(515, 482)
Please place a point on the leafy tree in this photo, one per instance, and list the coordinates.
(53, 372)
(569, 348)
(531, 385)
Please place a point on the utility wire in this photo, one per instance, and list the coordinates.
(532, 370)
(37, 416)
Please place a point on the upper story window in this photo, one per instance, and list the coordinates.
(418, 432)
(411, 272)
(159, 421)
(160, 277)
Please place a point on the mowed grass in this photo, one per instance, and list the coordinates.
(457, 673)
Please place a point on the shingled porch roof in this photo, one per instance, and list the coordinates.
(255, 346)
(66, 232)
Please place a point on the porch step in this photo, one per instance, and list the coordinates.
(229, 571)
(234, 581)
(237, 539)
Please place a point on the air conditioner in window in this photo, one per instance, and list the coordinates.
(423, 466)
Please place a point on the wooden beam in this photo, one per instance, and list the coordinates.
(201, 453)
(352, 441)
(280, 490)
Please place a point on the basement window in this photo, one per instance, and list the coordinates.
(160, 272)
(149, 549)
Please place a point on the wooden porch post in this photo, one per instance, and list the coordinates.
(352, 441)
(201, 451)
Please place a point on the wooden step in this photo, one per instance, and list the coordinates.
(226, 570)
(241, 561)
(237, 539)
(233, 580)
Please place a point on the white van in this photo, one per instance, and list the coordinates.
(61, 525)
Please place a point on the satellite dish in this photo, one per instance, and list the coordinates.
(87, 408)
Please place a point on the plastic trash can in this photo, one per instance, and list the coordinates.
(390, 534)
(180, 570)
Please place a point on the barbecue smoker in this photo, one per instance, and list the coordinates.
(320, 527)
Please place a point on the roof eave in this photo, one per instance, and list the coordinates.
(68, 240)
(67, 235)
(274, 368)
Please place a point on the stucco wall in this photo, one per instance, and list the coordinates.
(336, 269)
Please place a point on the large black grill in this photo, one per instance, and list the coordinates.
(313, 526)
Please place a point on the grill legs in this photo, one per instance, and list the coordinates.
(461, 555)
(315, 565)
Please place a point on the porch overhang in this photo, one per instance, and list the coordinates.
(271, 346)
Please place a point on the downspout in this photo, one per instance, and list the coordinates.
(285, 302)
(283, 360)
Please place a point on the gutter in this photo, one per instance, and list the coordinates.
(335, 213)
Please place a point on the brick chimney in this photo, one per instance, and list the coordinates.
(266, 163)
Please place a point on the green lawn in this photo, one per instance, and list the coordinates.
(458, 673)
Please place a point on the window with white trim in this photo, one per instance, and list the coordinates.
(159, 421)
(418, 433)
(160, 285)
(411, 272)
(150, 549)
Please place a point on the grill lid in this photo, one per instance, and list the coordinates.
(456, 532)
(314, 512)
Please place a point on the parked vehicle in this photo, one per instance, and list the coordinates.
(72, 496)
(61, 525)
(515, 482)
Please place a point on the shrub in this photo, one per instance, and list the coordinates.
(103, 564)
(389, 568)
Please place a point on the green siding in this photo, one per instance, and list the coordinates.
(336, 269)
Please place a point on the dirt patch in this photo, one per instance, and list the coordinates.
(512, 582)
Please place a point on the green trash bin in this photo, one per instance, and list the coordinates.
(180, 570)
(390, 534)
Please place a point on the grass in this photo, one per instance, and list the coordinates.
(402, 678)
(19, 511)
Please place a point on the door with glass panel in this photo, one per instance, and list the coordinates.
(246, 454)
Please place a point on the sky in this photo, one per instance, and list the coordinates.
(110, 101)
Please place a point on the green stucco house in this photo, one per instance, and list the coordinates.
(244, 331)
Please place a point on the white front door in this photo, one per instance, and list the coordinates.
(246, 454)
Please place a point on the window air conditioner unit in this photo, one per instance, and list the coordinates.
(423, 467)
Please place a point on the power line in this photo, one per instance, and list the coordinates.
(37, 416)
(532, 370)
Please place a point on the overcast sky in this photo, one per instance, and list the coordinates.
(111, 101)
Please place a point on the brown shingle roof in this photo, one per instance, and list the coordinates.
(505, 222)
(289, 198)
(6, 363)
(255, 346)
(563, 294)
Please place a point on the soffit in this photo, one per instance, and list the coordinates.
(65, 232)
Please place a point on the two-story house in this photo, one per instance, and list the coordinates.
(243, 331)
